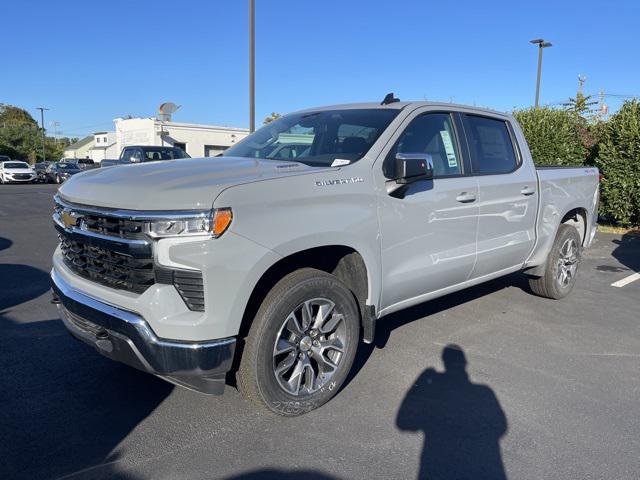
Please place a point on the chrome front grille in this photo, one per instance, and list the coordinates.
(112, 249)
(106, 267)
(113, 226)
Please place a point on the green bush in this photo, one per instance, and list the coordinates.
(619, 162)
(555, 137)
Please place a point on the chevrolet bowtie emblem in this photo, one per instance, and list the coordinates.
(69, 219)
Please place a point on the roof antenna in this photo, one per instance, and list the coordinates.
(389, 98)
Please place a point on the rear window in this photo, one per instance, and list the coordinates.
(490, 145)
(163, 153)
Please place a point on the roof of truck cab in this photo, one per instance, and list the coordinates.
(401, 105)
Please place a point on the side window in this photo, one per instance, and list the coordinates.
(430, 133)
(490, 145)
(137, 154)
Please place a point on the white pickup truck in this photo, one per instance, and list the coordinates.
(273, 270)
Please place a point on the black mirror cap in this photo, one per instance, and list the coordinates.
(410, 167)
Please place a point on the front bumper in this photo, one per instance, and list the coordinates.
(9, 178)
(125, 336)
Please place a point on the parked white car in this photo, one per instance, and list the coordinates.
(16, 171)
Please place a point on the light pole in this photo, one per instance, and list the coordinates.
(541, 45)
(42, 109)
(252, 61)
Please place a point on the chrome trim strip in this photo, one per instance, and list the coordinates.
(141, 215)
(99, 236)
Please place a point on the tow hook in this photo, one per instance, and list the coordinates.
(103, 342)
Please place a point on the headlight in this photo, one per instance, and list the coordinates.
(214, 225)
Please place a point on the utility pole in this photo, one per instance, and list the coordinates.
(541, 45)
(56, 130)
(42, 109)
(252, 62)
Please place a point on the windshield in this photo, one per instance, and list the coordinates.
(67, 166)
(317, 138)
(163, 153)
(16, 165)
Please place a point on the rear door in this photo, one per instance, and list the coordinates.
(428, 230)
(508, 196)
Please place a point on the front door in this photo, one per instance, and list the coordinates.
(428, 229)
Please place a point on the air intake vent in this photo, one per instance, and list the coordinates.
(188, 283)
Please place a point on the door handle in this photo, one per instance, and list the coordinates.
(465, 197)
(527, 191)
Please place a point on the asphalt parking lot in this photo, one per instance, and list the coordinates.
(551, 389)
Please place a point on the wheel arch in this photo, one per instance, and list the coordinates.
(574, 216)
(343, 261)
(577, 217)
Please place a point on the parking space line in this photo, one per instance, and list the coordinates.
(626, 280)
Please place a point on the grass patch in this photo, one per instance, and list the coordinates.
(619, 230)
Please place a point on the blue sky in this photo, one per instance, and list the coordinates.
(91, 62)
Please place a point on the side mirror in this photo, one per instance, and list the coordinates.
(411, 167)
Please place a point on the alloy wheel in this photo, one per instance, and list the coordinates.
(309, 347)
(567, 262)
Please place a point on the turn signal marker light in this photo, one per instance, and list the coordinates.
(221, 220)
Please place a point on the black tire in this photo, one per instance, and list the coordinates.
(257, 377)
(552, 284)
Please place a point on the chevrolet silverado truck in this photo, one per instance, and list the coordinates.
(270, 272)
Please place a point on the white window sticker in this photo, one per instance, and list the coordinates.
(448, 146)
(339, 162)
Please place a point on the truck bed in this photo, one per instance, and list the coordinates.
(563, 189)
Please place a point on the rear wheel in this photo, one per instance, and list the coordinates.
(301, 344)
(561, 267)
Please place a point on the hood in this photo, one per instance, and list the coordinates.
(170, 185)
(18, 170)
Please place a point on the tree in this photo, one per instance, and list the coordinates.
(21, 137)
(271, 118)
(555, 137)
(581, 105)
(619, 162)
(19, 132)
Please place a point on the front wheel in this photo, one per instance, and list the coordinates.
(301, 344)
(562, 265)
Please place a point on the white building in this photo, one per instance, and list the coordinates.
(104, 146)
(195, 139)
(80, 149)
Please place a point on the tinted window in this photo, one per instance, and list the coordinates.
(16, 165)
(66, 166)
(431, 133)
(163, 153)
(317, 138)
(490, 145)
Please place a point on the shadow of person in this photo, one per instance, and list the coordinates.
(462, 422)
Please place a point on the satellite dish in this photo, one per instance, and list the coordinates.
(166, 110)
